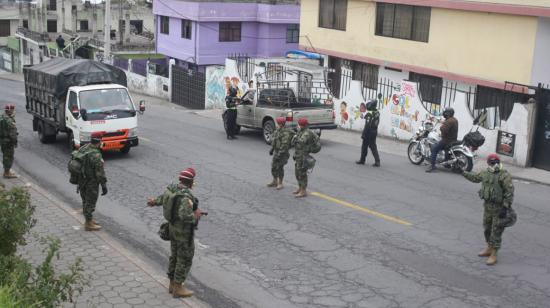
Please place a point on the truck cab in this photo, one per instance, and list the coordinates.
(105, 111)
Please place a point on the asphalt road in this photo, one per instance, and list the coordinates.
(365, 237)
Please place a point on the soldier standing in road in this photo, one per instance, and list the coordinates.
(370, 132)
(280, 146)
(497, 191)
(182, 246)
(8, 139)
(302, 142)
(94, 176)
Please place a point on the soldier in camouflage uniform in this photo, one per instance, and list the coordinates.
(8, 139)
(280, 146)
(94, 176)
(302, 143)
(182, 246)
(497, 191)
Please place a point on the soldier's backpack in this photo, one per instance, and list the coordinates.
(316, 145)
(76, 166)
(169, 203)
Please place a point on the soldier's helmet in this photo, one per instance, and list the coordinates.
(187, 174)
(371, 105)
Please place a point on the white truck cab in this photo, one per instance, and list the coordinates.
(105, 111)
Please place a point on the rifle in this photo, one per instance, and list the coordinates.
(195, 207)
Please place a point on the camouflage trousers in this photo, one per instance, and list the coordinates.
(8, 151)
(278, 166)
(181, 259)
(89, 193)
(300, 170)
(492, 230)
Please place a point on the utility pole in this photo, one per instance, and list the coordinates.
(107, 45)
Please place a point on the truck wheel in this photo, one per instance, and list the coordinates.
(125, 150)
(70, 141)
(269, 128)
(41, 129)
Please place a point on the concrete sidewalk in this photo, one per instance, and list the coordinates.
(117, 277)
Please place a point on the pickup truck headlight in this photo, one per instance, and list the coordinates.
(85, 136)
(133, 132)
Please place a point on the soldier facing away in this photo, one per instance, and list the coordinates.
(8, 139)
(497, 191)
(181, 230)
(303, 143)
(280, 146)
(94, 176)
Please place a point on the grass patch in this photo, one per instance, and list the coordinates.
(141, 56)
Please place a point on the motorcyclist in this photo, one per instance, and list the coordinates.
(449, 133)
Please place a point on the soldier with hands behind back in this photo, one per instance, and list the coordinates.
(280, 146)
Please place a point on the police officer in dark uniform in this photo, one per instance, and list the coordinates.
(231, 113)
(370, 132)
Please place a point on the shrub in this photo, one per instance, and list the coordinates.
(16, 219)
(21, 283)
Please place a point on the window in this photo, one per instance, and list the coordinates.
(333, 14)
(292, 33)
(137, 26)
(52, 25)
(230, 32)
(164, 24)
(430, 87)
(83, 25)
(52, 5)
(403, 21)
(25, 24)
(73, 104)
(5, 29)
(366, 73)
(186, 27)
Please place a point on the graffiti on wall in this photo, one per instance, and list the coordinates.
(402, 115)
(215, 89)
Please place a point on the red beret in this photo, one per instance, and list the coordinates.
(9, 107)
(188, 174)
(280, 120)
(303, 121)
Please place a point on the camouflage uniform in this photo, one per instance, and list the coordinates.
(282, 138)
(497, 191)
(182, 246)
(8, 140)
(302, 142)
(94, 176)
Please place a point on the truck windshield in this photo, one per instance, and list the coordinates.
(107, 102)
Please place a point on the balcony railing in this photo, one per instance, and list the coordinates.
(33, 35)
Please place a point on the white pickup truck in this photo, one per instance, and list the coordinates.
(82, 98)
(258, 109)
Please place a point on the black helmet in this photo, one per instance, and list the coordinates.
(371, 105)
(232, 91)
(448, 112)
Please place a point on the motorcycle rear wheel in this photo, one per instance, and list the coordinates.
(415, 156)
(463, 163)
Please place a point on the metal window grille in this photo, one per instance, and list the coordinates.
(292, 33)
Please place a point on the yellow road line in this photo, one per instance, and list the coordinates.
(362, 209)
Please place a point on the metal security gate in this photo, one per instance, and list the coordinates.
(188, 88)
(541, 155)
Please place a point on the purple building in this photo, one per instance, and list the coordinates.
(206, 32)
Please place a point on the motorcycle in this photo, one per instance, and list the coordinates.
(457, 156)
